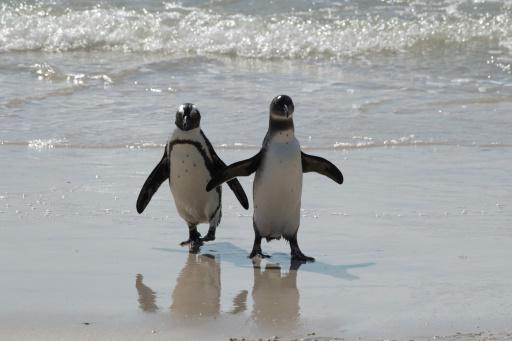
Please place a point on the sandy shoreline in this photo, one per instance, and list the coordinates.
(142, 331)
(402, 252)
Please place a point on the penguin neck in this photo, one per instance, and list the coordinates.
(282, 130)
(192, 134)
(276, 125)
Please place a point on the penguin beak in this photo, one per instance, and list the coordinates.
(186, 124)
(286, 111)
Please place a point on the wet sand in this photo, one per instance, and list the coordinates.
(415, 244)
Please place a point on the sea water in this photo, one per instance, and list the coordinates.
(112, 73)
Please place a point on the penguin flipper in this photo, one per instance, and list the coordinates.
(219, 165)
(240, 168)
(153, 182)
(237, 188)
(320, 165)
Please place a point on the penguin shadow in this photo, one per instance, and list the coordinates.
(340, 271)
(237, 256)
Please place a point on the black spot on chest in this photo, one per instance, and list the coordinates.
(207, 161)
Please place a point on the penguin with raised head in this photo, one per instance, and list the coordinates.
(277, 188)
(189, 162)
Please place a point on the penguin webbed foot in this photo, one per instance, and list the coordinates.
(194, 240)
(296, 253)
(301, 258)
(260, 253)
(190, 242)
(194, 245)
(295, 264)
(209, 237)
(256, 247)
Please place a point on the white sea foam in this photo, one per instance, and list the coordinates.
(367, 142)
(40, 144)
(45, 71)
(181, 30)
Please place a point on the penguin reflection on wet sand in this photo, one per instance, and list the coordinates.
(275, 296)
(197, 290)
(147, 297)
(189, 162)
(197, 293)
(277, 188)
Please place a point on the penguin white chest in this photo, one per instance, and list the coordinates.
(278, 189)
(188, 179)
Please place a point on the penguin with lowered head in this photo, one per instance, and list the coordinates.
(189, 162)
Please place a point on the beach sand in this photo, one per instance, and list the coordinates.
(405, 249)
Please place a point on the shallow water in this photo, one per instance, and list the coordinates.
(113, 73)
(411, 100)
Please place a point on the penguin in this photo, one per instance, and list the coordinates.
(189, 162)
(277, 187)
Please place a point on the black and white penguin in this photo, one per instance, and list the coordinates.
(189, 162)
(277, 186)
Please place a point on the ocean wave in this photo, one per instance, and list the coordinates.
(180, 30)
(46, 71)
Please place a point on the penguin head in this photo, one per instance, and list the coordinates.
(281, 108)
(187, 117)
